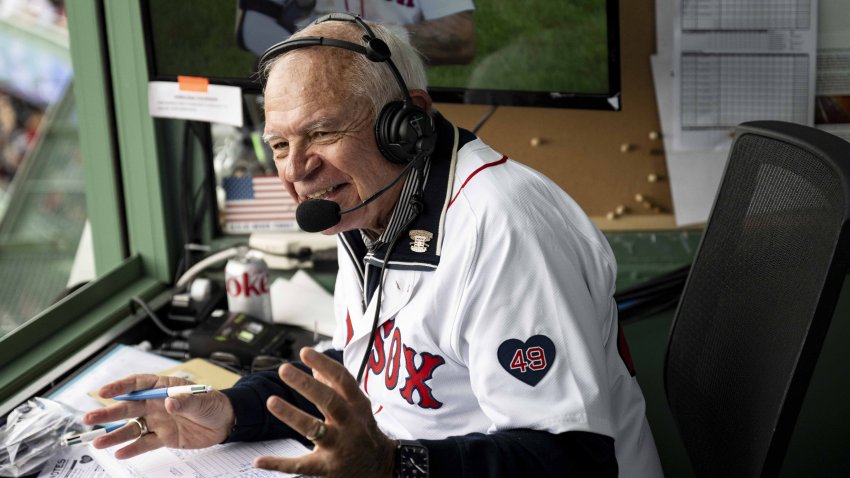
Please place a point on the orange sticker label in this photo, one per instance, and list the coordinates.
(193, 83)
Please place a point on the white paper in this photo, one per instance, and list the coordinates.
(832, 111)
(301, 301)
(694, 175)
(753, 61)
(117, 363)
(219, 104)
(834, 71)
(73, 462)
(834, 29)
(694, 179)
(219, 461)
(664, 11)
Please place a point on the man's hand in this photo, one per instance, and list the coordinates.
(352, 445)
(183, 421)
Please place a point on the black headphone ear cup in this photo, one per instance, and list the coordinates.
(403, 132)
(386, 134)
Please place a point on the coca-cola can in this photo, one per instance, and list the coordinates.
(247, 282)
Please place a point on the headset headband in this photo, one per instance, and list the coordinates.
(375, 49)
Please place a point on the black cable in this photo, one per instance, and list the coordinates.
(210, 205)
(652, 296)
(192, 216)
(381, 293)
(668, 279)
(650, 291)
(185, 197)
(637, 313)
(135, 300)
(484, 119)
(179, 270)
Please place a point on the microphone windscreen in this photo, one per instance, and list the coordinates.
(316, 215)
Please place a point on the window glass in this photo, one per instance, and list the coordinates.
(42, 197)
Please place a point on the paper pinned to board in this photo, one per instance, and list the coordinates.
(694, 175)
(732, 65)
(301, 301)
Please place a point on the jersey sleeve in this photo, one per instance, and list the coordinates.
(536, 312)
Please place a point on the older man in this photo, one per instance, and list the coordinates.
(477, 334)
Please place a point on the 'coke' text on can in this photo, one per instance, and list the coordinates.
(247, 283)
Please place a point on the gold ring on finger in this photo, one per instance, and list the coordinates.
(321, 431)
(143, 426)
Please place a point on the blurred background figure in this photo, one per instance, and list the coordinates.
(443, 31)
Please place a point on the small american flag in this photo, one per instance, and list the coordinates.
(257, 203)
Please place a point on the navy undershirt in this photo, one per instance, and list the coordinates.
(509, 453)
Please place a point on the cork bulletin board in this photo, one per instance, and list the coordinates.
(611, 163)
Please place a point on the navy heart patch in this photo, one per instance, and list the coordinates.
(528, 361)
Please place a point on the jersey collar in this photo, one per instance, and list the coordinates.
(420, 245)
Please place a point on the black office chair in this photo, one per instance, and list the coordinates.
(759, 298)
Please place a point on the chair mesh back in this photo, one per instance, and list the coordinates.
(751, 296)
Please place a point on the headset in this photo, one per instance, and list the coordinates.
(404, 132)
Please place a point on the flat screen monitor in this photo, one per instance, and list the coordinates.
(542, 53)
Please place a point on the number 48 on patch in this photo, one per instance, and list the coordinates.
(527, 361)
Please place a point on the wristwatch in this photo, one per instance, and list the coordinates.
(411, 459)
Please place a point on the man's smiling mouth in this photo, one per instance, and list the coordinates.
(322, 194)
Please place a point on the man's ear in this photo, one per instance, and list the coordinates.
(422, 99)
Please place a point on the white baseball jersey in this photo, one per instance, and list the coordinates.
(497, 313)
(395, 12)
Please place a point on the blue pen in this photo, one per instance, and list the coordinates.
(89, 436)
(164, 392)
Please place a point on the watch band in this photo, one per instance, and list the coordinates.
(411, 459)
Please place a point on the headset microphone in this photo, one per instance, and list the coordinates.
(316, 215)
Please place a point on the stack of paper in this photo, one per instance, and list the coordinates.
(220, 461)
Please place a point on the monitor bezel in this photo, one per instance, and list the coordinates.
(610, 100)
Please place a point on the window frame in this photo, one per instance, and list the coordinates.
(126, 200)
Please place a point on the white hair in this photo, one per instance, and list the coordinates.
(367, 79)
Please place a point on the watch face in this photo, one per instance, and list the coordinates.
(413, 461)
